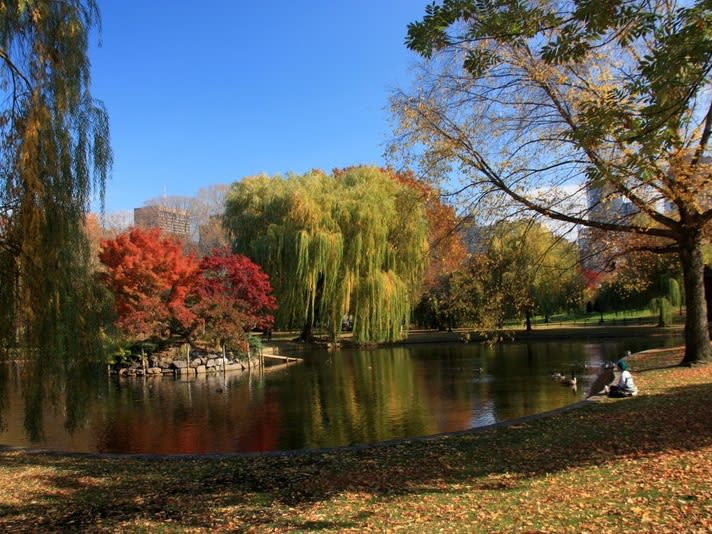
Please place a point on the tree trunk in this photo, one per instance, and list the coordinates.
(528, 315)
(307, 335)
(697, 337)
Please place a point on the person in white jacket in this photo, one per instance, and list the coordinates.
(626, 386)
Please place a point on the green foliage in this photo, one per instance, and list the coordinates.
(452, 302)
(348, 244)
(255, 343)
(707, 254)
(54, 150)
(525, 270)
(639, 279)
(117, 349)
(673, 292)
(663, 309)
(533, 270)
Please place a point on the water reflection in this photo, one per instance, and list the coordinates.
(330, 399)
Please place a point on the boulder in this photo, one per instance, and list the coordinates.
(186, 371)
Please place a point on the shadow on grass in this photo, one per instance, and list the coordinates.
(86, 493)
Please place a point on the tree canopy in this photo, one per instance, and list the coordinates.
(445, 246)
(150, 279)
(233, 296)
(160, 293)
(593, 113)
(54, 152)
(534, 270)
(348, 245)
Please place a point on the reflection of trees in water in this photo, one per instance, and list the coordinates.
(524, 385)
(69, 387)
(454, 379)
(330, 399)
(207, 414)
(367, 399)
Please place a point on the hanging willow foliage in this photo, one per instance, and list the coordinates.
(334, 246)
(54, 151)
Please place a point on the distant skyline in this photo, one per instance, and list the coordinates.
(207, 95)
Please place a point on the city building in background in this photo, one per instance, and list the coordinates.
(171, 221)
(604, 205)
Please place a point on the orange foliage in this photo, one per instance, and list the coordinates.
(447, 251)
(150, 279)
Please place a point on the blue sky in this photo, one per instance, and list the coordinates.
(206, 93)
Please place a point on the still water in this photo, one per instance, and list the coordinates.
(330, 399)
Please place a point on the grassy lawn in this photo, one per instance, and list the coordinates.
(637, 316)
(632, 465)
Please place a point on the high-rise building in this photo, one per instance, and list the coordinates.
(604, 205)
(172, 221)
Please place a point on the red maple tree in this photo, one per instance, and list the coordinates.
(150, 278)
(233, 296)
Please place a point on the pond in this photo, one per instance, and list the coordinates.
(330, 399)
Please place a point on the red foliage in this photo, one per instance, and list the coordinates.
(158, 290)
(593, 279)
(230, 281)
(150, 279)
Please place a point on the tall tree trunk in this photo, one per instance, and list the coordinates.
(307, 335)
(697, 337)
(528, 315)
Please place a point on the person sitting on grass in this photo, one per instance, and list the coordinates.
(625, 386)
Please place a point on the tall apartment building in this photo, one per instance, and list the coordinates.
(172, 221)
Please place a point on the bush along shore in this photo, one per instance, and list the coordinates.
(640, 464)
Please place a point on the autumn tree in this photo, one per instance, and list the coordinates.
(642, 279)
(533, 269)
(54, 152)
(474, 302)
(232, 296)
(446, 251)
(349, 244)
(533, 103)
(150, 279)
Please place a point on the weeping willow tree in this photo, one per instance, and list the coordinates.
(348, 245)
(54, 152)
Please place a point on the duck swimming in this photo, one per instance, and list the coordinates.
(568, 381)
